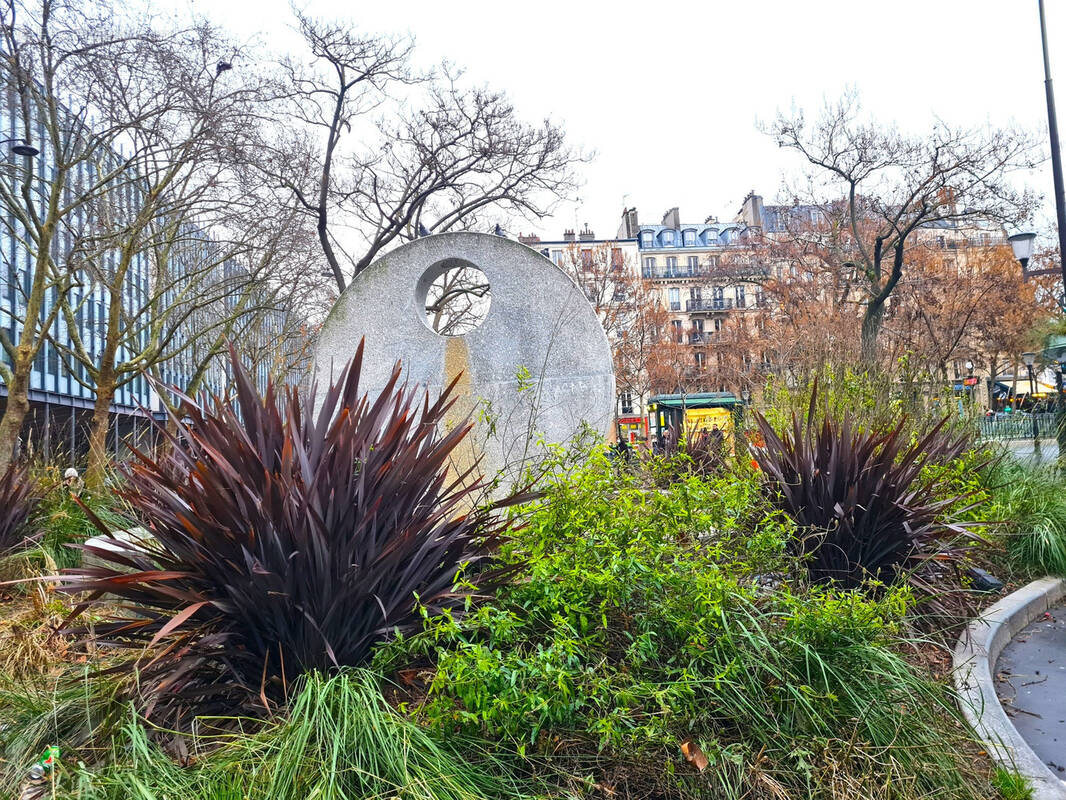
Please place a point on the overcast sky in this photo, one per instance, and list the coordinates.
(668, 94)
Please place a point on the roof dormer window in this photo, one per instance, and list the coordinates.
(689, 238)
(668, 238)
(645, 238)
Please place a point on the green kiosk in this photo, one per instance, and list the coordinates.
(691, 412)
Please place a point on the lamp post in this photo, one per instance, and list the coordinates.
(1058, 392)
(21, 147)
(1030, 359)
(1056, 155)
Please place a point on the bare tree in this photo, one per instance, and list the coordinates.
(609, 281)
(458, 301)
(372, 168)
(46, 46)
(184, 122)
(877, 187)
(639, 338)
(151, 240)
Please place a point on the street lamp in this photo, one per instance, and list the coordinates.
(1030, 359)
(1056, 155)
(21, 147)
(1022, 245)
(1058, 392)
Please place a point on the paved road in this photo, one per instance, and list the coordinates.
(1024, 449)
(1031, 682)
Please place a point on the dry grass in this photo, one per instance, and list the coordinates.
(31, 612)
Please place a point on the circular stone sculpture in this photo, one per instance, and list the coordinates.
(535, 369)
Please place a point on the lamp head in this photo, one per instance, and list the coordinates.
(24, 148)
(1022, 245)
(1029, 359)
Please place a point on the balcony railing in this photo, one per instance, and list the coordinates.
(712, 304)
(699, 337)
(736, 272)
(677, 273)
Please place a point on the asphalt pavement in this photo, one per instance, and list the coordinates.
(1031, 683)
(1044, 453)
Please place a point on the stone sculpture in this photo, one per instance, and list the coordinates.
(532, 358)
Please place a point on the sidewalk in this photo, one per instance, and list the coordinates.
(1025, 450)
(1031, 682)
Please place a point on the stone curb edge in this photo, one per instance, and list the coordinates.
(974, 659)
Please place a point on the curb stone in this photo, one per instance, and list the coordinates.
(974, 660)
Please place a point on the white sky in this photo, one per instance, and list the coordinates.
(668, 94)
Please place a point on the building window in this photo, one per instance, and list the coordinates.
(690, 238)
(717, 324)
(760, 298)
(699, 359)
(557, 257)
(586, 259)
(668, 238)
(741, 301)
(678, 333)
(719, 297)
(693, 263)
(617, 259)
(675, 299)
(645, 238)
(671, 265)
(626, 400)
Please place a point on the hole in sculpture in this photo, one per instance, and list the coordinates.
(457, 299)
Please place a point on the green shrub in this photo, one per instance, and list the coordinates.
(640, 619)
(65, 524)
(1030, 504)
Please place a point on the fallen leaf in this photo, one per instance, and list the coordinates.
(693, 755)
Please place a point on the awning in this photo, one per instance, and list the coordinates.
(696, 400)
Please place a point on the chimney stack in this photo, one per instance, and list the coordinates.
(586, 235)
(630, 228)
(568, 235)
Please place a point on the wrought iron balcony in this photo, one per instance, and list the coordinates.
(675, 273)
(711, 304)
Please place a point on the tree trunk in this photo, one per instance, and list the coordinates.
(871, 329)
(96, 472)
(18, 406)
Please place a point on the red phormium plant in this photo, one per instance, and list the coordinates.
(287, 541)
(18, 497)
(858, 496)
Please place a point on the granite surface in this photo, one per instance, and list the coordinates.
(534, 370)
